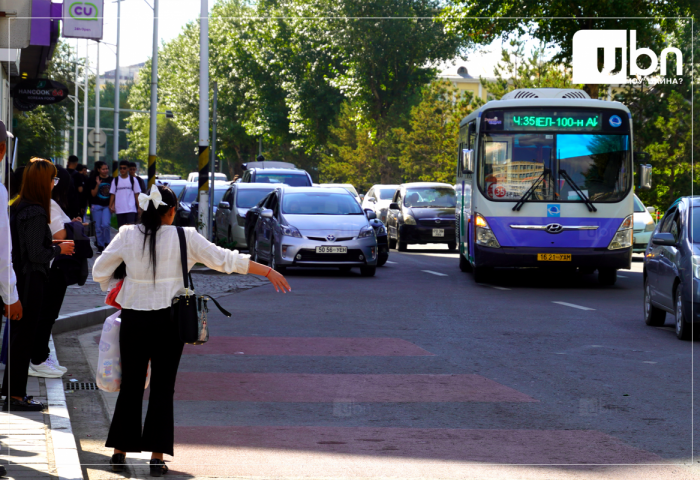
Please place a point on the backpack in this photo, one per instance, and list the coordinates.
(116, 182)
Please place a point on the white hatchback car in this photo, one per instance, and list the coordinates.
(643, 226)
(378, 199)
(346, 186)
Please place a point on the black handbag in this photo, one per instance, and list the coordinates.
(190, 310)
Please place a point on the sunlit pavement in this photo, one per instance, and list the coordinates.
(421, 373)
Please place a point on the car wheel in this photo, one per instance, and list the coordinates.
(683, 328)
(392, 242)
(273, 260)
(653, 316)
(464, 264)
(482, 274)
(368, 271)
(400, 246)
(229, 240)
(607, 276)
(451, 246)
(345, 269)
(382, 260)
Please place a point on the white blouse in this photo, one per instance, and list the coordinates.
(140, 291)
(58, 218)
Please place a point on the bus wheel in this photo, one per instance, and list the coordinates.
(482, 274)
(464, 264)
(607, 276)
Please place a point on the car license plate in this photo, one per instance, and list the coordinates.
(438, 232)
(331, 249)
(553, 257)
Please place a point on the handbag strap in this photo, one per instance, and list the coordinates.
(183, 258)
(221, 309)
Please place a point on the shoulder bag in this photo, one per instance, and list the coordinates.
(189, 311)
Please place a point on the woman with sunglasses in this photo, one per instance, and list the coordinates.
(33, 251)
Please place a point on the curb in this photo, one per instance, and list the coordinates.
(82, 319)
(65, 450)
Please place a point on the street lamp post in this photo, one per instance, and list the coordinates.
(115, 149)
(85, 105)
(154, 101)
(204, 191)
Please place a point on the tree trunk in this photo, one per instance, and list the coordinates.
(592, 90)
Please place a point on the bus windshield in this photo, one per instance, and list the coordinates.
(598, 164)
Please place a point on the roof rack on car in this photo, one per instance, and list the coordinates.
(267, 164)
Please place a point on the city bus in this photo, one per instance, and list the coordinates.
(545, 179)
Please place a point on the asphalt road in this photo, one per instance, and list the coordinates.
(419, 372)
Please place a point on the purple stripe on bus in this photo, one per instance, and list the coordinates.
(510, 237)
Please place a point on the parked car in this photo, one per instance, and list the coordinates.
(643, 226)
(294, 177)
(346, 186)
(421, 213)
(378, 199)
(672, 268)
(313, 227)
(177, 186)
(185, 199)
(231, 215)
(382, 240)
(219, 190)
(218, 177)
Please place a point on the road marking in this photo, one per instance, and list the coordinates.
(435, 273)
(492, 286)
(650, 362)
(389, 261)
(574, 306)
(620, 276)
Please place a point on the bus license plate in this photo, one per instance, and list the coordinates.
(438, 232)
(331, 249)
(553, 257)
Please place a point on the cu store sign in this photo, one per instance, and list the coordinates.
(83, 19)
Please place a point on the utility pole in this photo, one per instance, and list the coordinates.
(212, 162)
(85, 104)
(77, 98)
(204, 116)
(97, 101)
(154, 101)
(115, 149)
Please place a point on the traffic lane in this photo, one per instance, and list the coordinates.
(514, 340)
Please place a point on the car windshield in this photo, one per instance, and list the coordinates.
(249, 198)
(638, 205)
(430, 197)
(177, 189)
(190, 195)
(291, 179)
(386, 193)
(320, 203)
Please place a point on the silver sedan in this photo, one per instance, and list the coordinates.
(312, 227)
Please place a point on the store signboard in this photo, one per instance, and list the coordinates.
(83, 19)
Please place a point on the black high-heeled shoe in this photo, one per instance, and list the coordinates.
(118, 462)
(158, 468)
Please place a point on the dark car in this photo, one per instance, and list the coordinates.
(422, 213)
(219, 190)
(382, 239)
(185, 199)
(672, 268)
(294, 177)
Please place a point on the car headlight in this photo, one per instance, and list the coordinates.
(408, 219)
(484, 234)
(366, 231)
(650, 226)
(623, 237)
(696, 266)
(381, 231)
(290, 231)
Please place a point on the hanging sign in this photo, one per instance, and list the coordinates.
(40, 91)
(83, 19)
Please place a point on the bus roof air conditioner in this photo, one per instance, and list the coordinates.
(525, 93)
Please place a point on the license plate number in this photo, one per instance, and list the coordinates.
(331, 249)
(438, 232)
(554, 257)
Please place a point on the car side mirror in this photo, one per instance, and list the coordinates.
(224, 205)
(664, 239)
(394, 206)
(266, 213)
(467, 161)
(651, 210)
(644, 177)
(372, 199)
(370, 214)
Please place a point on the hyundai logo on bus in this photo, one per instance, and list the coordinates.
(554, 228)
(615, 121)
(553, 211)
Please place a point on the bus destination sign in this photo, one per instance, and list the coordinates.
(565, 121)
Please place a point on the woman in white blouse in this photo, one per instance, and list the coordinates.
(151, 252)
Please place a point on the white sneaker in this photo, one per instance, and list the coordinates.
(44, 370)
(54, 363)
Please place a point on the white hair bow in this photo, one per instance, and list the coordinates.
(154, 197)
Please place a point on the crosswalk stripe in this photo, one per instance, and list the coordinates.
(435, 273)
(574, 306)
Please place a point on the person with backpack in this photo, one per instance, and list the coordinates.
(123, 198)
(30, 217)
(99, 187)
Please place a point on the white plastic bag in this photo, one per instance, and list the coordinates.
(109, 364)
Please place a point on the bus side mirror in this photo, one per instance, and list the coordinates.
(467, 162)
(644, 177)
(642, 157)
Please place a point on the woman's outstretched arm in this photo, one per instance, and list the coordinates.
(276, 279)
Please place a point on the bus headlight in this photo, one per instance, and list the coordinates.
(484, 234)
(623, 236)
(696, 266)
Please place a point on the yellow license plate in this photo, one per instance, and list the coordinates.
(553, 257)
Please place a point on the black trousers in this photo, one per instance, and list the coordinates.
(31, 289)
(146, 335)
(53, 300)
(126, 218)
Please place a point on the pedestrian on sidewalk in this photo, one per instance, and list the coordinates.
(151, 252)
(42, 363)
(81, 179)
(101, 214)
(133, 171)
(124, 194)
(30, 217)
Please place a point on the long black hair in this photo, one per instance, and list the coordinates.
(151, 221)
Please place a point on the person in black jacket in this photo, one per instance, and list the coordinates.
(34, 249)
